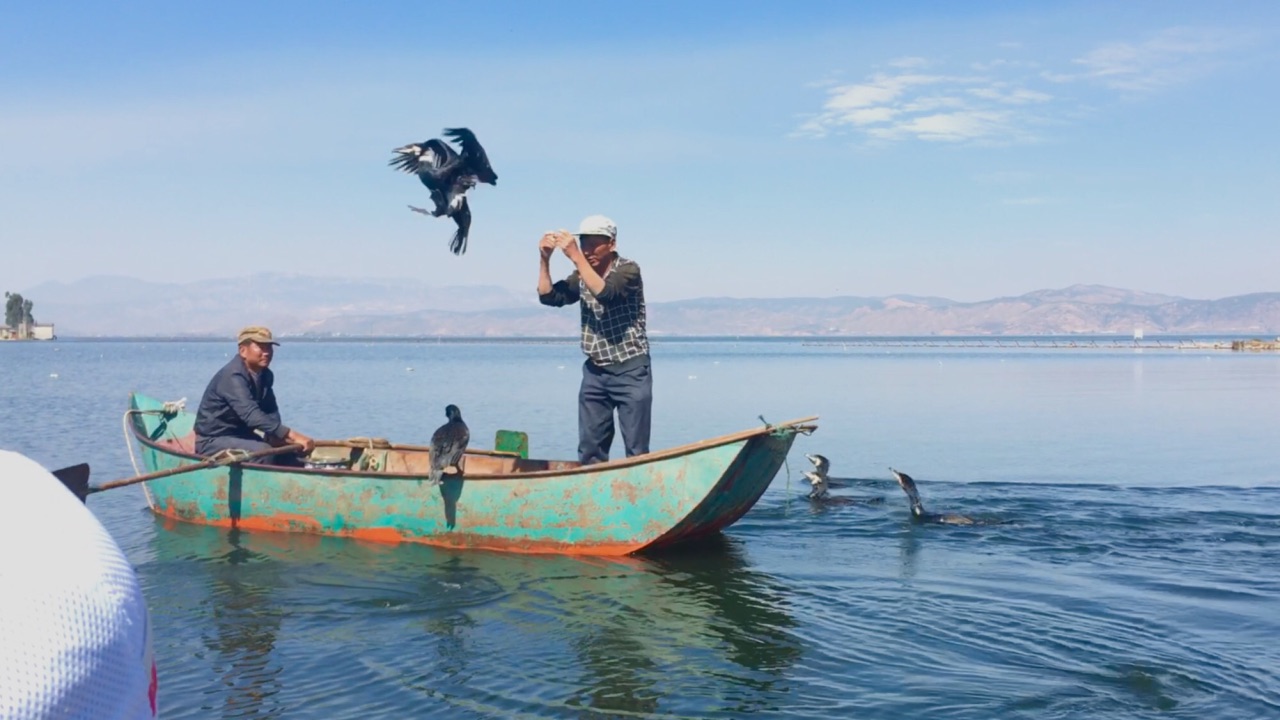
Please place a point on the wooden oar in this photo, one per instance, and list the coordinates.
(76, 477)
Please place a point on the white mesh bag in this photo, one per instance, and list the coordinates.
(75, 639)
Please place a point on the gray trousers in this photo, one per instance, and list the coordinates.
(630, 392)
(209, 445)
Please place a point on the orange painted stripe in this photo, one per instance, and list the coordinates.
(458, 541)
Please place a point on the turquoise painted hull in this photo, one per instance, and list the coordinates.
(500, 502)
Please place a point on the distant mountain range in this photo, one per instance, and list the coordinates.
(318, 306)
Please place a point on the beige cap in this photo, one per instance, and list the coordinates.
(598, 225)
(256, 333)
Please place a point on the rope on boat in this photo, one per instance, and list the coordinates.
(782, 431)
(369, 443)
(167, 409)
(229, 456)
(787, 464)
(779, 432)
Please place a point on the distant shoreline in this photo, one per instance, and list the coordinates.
(1107, 340)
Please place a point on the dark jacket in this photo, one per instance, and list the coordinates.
(235, 404)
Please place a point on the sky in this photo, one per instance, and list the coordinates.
(745, 149)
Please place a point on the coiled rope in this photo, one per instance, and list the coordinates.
(167, 409)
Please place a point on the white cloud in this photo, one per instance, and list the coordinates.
(927, 107)
(868, 116)
(1172, 57)
(1015, 96)
(949, 127)
(931, 103)
(1004, 100)
(908, 63)
(882, 89)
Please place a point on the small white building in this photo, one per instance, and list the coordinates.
(28, 331)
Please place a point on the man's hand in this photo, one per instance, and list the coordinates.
(296, 438)
(547, 245)
(568, 244)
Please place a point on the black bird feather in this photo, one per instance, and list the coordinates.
(448, 443)
(448, 175)
(473, 155)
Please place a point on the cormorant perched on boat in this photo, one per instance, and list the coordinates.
(448, 175)
(917, 508)
(448, 443)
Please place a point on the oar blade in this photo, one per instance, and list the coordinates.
(75, 478)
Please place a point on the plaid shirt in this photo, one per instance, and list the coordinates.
(613, 322)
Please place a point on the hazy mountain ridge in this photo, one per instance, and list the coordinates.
(296, 305)
(290, 304)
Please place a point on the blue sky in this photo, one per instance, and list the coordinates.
(746, 149)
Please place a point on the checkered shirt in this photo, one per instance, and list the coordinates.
(613, 329)
(615, 332)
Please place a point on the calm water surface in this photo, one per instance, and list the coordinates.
(1135, 575)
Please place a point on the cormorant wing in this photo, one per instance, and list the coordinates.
(448, 444)
(473, 155)
(432, 159)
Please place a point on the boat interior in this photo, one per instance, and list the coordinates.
(376, 455)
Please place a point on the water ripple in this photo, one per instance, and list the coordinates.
(1121, 584)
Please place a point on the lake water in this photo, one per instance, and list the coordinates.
(1136, 575)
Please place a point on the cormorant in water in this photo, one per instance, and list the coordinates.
(917, 508)
(820, 483)
(821, 465)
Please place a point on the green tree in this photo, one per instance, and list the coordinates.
(17, 310)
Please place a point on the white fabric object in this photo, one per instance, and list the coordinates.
(75, 637)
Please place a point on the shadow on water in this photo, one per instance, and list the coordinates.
(246, 622)
(752, 604)
(708, 601)
(218, 600)
(411, 630)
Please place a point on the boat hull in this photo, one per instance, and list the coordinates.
(504, 503)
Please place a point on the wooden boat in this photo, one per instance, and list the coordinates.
(502, 500)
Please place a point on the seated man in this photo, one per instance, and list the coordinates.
(239, 400)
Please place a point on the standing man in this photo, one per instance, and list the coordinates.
(239, 400)
(610, 294)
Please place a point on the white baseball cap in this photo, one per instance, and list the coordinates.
(598, 225)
